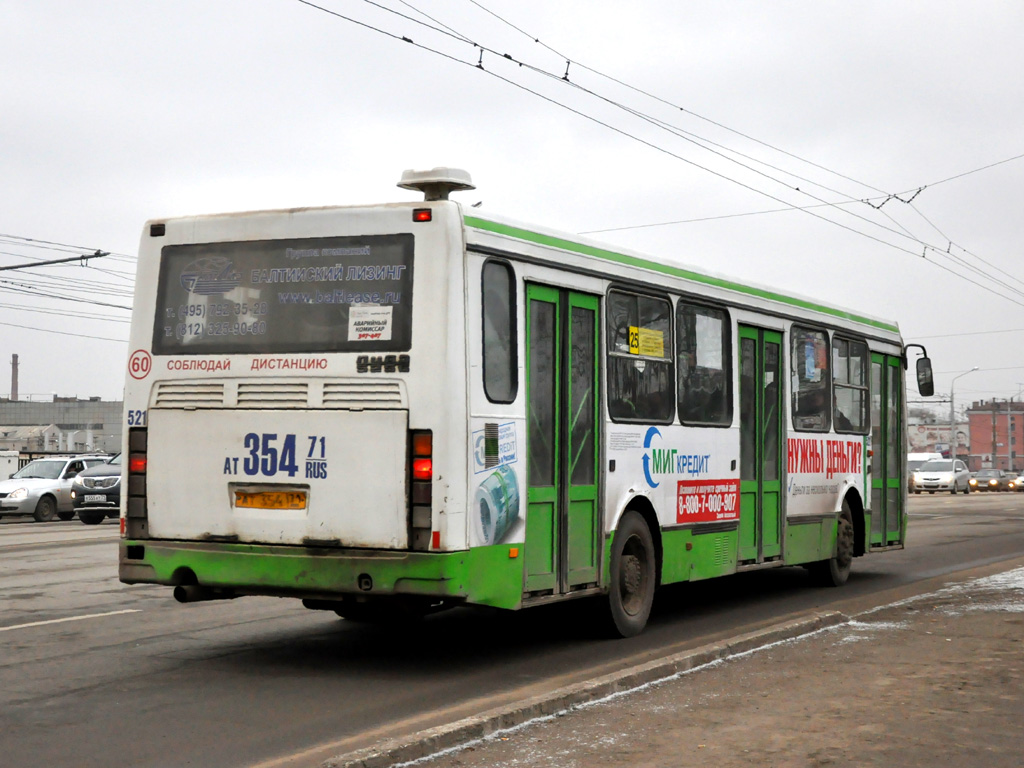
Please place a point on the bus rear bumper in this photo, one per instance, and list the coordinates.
(286, 571)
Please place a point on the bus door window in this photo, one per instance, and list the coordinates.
(850, 390)
(771, 411)
(748, 407)
(542, 406)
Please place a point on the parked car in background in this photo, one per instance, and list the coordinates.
(914, 463)
(96, 492)
(942, 475)
(1020, 483)
(993, 480)
(42, 488)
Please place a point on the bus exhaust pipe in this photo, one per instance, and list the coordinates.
(194, 593)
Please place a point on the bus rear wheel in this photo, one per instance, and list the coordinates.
(835, 571)
(631, 592)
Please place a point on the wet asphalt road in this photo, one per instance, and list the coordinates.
(96, 673)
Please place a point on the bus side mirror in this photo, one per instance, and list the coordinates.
(925, 383)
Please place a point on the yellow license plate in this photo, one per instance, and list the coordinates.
(271, 500)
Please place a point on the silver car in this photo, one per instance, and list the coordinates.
(42, 488)
(942, 475)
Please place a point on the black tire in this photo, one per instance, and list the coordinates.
(91, 518)
(835, 571)
(65, 516)
(46, 510)
(633, 576)
(967, 489)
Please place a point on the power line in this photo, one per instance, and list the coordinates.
(34, 263)
(969, 333)
(76, 315)
(8, 285)
(63, 333)
(899, 196)
(891, 196)
(51, 245)
(595, 120)
(479, 65)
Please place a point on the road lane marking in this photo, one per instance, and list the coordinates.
(70, 618)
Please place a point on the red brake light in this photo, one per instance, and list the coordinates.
(422, 469)
(137, 464)
(422, 214)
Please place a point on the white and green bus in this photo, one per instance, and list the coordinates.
(390, 409)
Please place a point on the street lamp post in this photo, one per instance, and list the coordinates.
(952, 416)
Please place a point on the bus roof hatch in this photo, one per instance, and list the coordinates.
(437, 183)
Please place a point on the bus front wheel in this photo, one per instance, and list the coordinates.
(631, 592)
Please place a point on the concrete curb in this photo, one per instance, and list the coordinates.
(433, 740)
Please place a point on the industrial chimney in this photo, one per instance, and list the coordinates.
(14, 377)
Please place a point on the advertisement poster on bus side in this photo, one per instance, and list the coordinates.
(497, 506)
(707, 501)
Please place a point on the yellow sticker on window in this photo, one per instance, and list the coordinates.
(650, 342)
(634, 340)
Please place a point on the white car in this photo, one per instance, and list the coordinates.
(42, 488)
(942, 475)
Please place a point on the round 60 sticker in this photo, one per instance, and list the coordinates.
(140, 364)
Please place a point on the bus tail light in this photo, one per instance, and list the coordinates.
(421, 471)
(136, 521)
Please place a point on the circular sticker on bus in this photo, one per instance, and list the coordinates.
(140, 364)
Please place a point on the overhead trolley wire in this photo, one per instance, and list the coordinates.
(479, 65)
(53, 246)
(897, 195)
(696, 140)
(63, 333)
(887, 196)
(77, 315)
(596, 120)
(10, 285)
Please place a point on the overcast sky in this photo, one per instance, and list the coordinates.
(112, 113)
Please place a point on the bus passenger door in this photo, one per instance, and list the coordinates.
(761, 427)
(563, 525)
(887, 455)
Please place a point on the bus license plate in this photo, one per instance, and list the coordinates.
(271, 500)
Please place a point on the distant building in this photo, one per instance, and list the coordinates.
(30, 439)
(997, 427)
(77, 425)
(935, 438)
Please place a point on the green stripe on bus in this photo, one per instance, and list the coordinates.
(633, 261)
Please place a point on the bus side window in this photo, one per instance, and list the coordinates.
(812, 381)
(704, 360)
(640, 375)
(499, 332)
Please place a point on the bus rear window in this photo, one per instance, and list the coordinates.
(334, 294)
